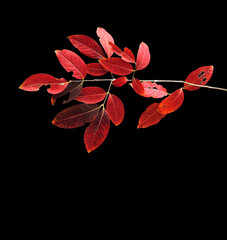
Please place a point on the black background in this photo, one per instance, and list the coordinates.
(185, 150)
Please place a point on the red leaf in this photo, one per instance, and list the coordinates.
(119, 82)
(154, 90)
(138, 86)
(96, 69)
(87, 46)
(115, 108)
(74, 89)
(143, 56)
(97, 131)
(34, 82)
(105, 38)
(172, 102)
(72, 62)
(116, 66)
(199, 76)
(150, 116)
(127, 55)
(91, 95)
(76, 116)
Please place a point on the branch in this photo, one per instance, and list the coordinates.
(160, 81)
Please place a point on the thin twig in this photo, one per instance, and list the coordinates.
(160, 81)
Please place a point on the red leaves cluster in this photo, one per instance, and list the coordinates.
(98, 117)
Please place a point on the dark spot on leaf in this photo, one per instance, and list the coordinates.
(204, 79)
(201, 74)
(155, 88)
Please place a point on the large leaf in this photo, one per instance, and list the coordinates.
(172, 102)
(91, 95)
(199, 76)
(87, 46)
(74, 89)
(76, 116)
(72, 63)
(115, 108)
(143, 56)
(150, 116)
(34, 82)
(154, 90)
(117, 66)
(105, 38)
(97, 131)
(96, 69)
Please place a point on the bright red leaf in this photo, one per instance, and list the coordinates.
(76, 116)
(97, 131)
(72, 63)
(119, 82)
(105, 38)
(143, 56)
(115, 108)
(199, 76)
(96, 69)
(172, 102)
(34, 82)
(74, 89)
(87, 46)
(138, 86)
(154, 90)
(117, 66)
(150, 116)
(91, 95)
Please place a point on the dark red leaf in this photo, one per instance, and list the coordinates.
(105, 38)
(34, 82)
(172, 102)
(150, 116)
(117, 66)
(119, 82)
(74, 89)
(91, 95)
(199, 76)
(143, 56)
(97, 131)
(96, 69)
(76, 116)
(115, 108)
(87, 46)
(72, 63)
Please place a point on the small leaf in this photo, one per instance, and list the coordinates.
(91, 95)
(115, 108)
(74, 89)
(105, 38)
(154, 90)
(34, 82)
(199, 76)
(96, 69)
(116, 66)
(150, 116)
(97, 131)
(72, 62)
(138, 86)
(76, 116)
(127, 55)
(172, 102)
(119, 82)
(87, 46)
(143, 56)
